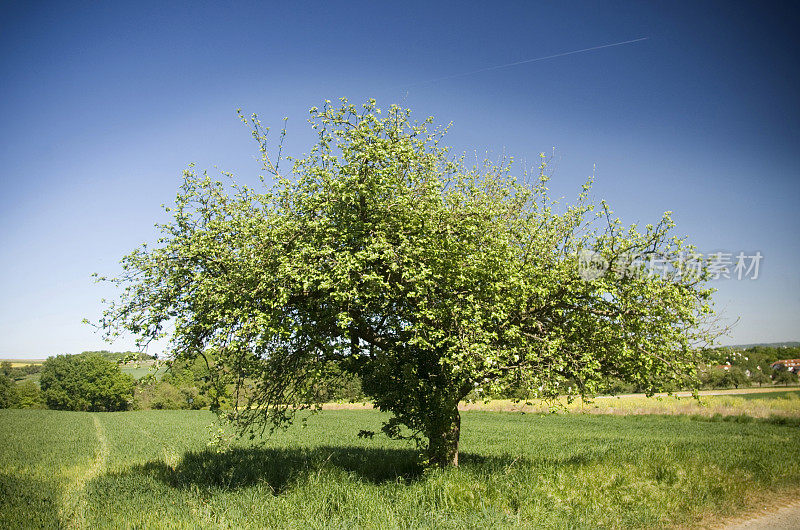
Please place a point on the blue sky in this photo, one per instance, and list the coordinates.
(103, 105)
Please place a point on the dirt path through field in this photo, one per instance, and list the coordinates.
(73, 505)
(784, 517)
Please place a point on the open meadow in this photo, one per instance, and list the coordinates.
(137, 370)
(155, 469)
(755, 402)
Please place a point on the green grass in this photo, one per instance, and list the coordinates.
(153, 469)
(787, 394)
(42, 452)
(785, 403)
(139, 371)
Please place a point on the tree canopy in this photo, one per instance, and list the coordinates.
(8, 397)
(431, 279)
(85, 382)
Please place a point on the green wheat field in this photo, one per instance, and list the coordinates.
(156, 469)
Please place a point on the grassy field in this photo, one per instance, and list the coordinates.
(18, 363)
(750, 402)
(139, 370)
(790, 394)
(154, 469)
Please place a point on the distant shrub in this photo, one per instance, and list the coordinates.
(165, 396)
(616, 386)
(8, 396)
(85, 382)
(338, 385)
(28, 395)
(785, 377)
(20, 372)
(25, 395)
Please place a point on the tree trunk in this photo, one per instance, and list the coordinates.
(443, 442)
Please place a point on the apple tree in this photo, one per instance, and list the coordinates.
(380, 254)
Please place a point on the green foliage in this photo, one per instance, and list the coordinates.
(735, 377)
(168, 397)
(759, 377)
(428, 279)
(21, 395)
(8, 395)
(614, 386)
(714, 377)
(187, 372)
(122, 356)
(163, 395)
(755, 360)
(85, 382)
(20, 372)
(785, 377)
(338, 385)
(139, 370)
(28, 395)
(752, 358)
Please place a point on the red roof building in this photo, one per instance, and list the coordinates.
(792, 365)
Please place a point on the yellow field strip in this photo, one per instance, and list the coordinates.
(19, 363)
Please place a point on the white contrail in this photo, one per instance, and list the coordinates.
(528, 61)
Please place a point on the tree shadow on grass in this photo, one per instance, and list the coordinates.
(27, 502)
(242, 467)
(278, 467)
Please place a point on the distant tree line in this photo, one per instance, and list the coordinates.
(16, 390)
(14, 396)
(95, 381)
(728, 367)
(187, 384)
(89, 381)
(122, 356)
